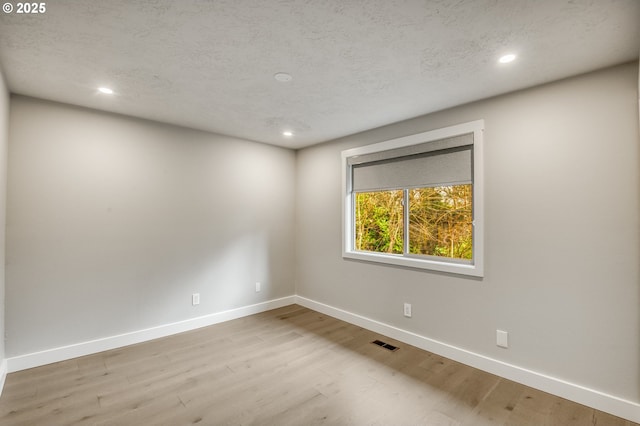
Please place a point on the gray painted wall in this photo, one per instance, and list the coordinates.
(113, 222)
(4, 141)
(562, 235)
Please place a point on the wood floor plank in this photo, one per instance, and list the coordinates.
(498, 408)
(289, 366)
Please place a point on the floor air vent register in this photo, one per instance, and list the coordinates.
(385, 345)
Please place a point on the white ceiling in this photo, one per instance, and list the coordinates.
(356, 64)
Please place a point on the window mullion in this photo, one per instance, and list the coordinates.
(405, 226)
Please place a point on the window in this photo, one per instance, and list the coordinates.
(417, 201)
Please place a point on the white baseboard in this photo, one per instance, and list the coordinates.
(3, 374)
(590, 397)
(49, 356)
(608, 403)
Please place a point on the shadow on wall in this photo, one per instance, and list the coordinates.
(227, 277)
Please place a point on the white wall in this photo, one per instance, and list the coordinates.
(562, 236)
(4, 141)
(113, 222)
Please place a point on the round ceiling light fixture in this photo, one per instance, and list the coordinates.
(283, 77)
(505, 59)
(105, 90)
(287, 133)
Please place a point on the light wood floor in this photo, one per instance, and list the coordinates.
(289, 366)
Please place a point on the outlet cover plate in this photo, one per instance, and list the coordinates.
(407, 310)
(502, 339)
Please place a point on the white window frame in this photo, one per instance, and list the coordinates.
(473, 268)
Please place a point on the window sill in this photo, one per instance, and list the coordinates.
(468, 269)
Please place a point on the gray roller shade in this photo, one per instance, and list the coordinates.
(457, 141)
(442, 167)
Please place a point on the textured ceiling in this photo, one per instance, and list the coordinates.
(356, 64)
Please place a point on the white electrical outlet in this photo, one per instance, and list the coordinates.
(195, 299)
(502, 339)
(407, 310)
(258, 287)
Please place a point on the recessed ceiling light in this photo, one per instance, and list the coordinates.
(287, 134)
(507, 58)
(283, 77)
(105, 90)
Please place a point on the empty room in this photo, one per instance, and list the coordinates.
(296, 212)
